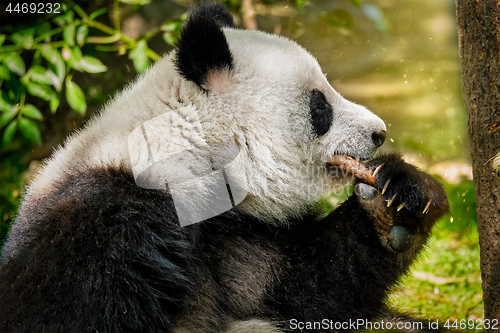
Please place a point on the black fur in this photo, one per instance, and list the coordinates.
(321, 113)
(409, 186)
(215, 11)
(202, 46)
(104, 255)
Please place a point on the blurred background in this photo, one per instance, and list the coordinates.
(398, 58)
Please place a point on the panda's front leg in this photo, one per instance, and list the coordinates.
(404, 207)
(341, 267)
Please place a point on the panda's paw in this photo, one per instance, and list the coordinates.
(406, 203)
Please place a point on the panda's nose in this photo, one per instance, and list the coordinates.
(378, 138)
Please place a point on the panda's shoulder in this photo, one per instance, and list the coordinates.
(108, 195)
(98, 208)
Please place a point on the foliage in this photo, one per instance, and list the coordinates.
(38, 62)
(235, 5)
(343, 20)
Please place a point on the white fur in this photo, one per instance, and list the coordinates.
(262, 107)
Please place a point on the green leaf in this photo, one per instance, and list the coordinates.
(30, 131)
(69, 34)
(77, 52)
(32, 112)
(340, 19)
(81, 35)
(12, 94)
(25, 79)
(30, 32)
(169, 38)
(76, 58)
(4, 72)
(49, 53)
(344, 18)
(17, 38)
(60, 68)
(139, 56)
(356, 3)
(39, 90)
(64, 19)
(54, 57)
(56, 82)
(24, 41)
(169, 26)
(40, 75)
(75, 97)
(2, 39)
(8, 116)
(15, 63)
(5, 106)
(136, 2)
(54, 104)
(92, 65)
(299, 4)
(9, 133)
(43, 28)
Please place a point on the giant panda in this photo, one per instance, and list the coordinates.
(99, 244)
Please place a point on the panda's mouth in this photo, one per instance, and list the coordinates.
(339, 159)
(338, 156)
(351, 166)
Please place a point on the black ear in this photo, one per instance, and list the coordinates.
(202, 46)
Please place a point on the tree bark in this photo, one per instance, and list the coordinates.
(478, 24)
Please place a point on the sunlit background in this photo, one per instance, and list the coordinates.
(397, 57)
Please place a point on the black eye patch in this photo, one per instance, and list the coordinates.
(321, 112)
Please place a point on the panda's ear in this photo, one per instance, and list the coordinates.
(202, 46)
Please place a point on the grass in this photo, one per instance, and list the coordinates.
(446, 282)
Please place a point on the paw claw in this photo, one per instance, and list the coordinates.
(391, 200)
(400, 206)
(385, 187)
(426, 209)
(377, 170)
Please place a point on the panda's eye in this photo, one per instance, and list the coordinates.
(321, 112)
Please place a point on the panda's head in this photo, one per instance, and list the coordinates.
(269, 97)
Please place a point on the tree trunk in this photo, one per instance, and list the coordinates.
(478, 24)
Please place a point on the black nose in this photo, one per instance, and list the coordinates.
(378, 138)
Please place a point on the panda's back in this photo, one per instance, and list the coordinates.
(124, 244)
